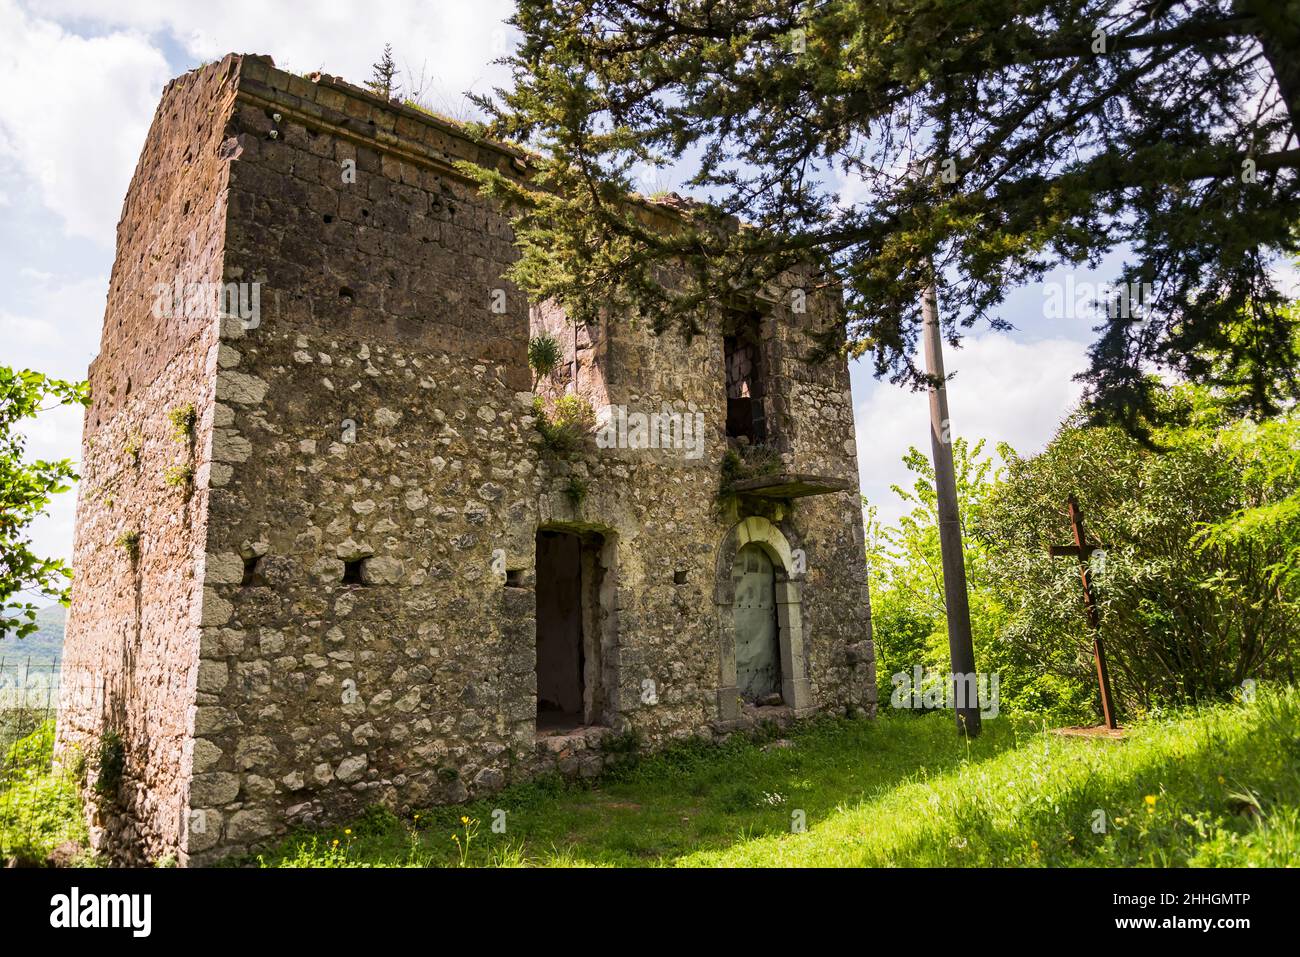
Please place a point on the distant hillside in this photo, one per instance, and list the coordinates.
(42, 646)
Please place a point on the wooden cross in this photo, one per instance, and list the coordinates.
(1082, 549)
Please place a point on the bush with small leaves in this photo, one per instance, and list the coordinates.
(565, 424)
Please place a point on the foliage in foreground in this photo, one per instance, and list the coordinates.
(1199, 586)
(909, 619)
(1219, 786)
(26, 488)
(40, 809)
(1198, 593)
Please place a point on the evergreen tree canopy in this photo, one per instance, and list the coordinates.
(985, 141)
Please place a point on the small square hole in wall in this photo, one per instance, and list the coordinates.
(352, 571)
(252, 571)
(514, 578)
(679, 577)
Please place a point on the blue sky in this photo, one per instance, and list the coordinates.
(83, 80)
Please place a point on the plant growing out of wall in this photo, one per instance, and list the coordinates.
(112, 764)
(544, 355)
(383, 80)
(183, 419)
(576, 491)
(565, 424)
(131, 448)
(747, 462)
(129, 542)
(180, 475)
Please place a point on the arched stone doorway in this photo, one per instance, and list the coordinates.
(736, 548)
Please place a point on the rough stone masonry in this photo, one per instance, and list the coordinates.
(325, 558)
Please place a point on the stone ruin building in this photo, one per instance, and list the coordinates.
(324, 557)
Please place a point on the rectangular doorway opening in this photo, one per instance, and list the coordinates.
(572, 622)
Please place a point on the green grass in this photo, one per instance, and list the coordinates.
(1216, 787)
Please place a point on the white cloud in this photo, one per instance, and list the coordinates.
(74, 115)
(1003, 391)
(77, 106)
(31, 332)
(57, 329)
(457, 40)
(83, 80)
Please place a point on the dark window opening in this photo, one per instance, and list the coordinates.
(746, 381)
(514, 578)
(328, 218)
(352, 571)
(679, 577)
(346, 293)
(252, 572)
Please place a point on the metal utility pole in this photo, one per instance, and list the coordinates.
(960, 646)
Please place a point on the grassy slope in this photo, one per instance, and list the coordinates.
(1218, 787)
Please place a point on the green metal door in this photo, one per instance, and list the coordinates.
(757, 660)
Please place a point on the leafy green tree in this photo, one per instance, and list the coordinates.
(1197, 590)
(909, 622)
(987, 140)
(25, 492)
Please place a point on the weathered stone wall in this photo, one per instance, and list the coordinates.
(376, 421)
(131, 650)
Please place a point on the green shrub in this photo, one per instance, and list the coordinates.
(131, 448)
(565, 424)
(112, 764)
(40, 808)
(1197, 591)
(576, 491)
